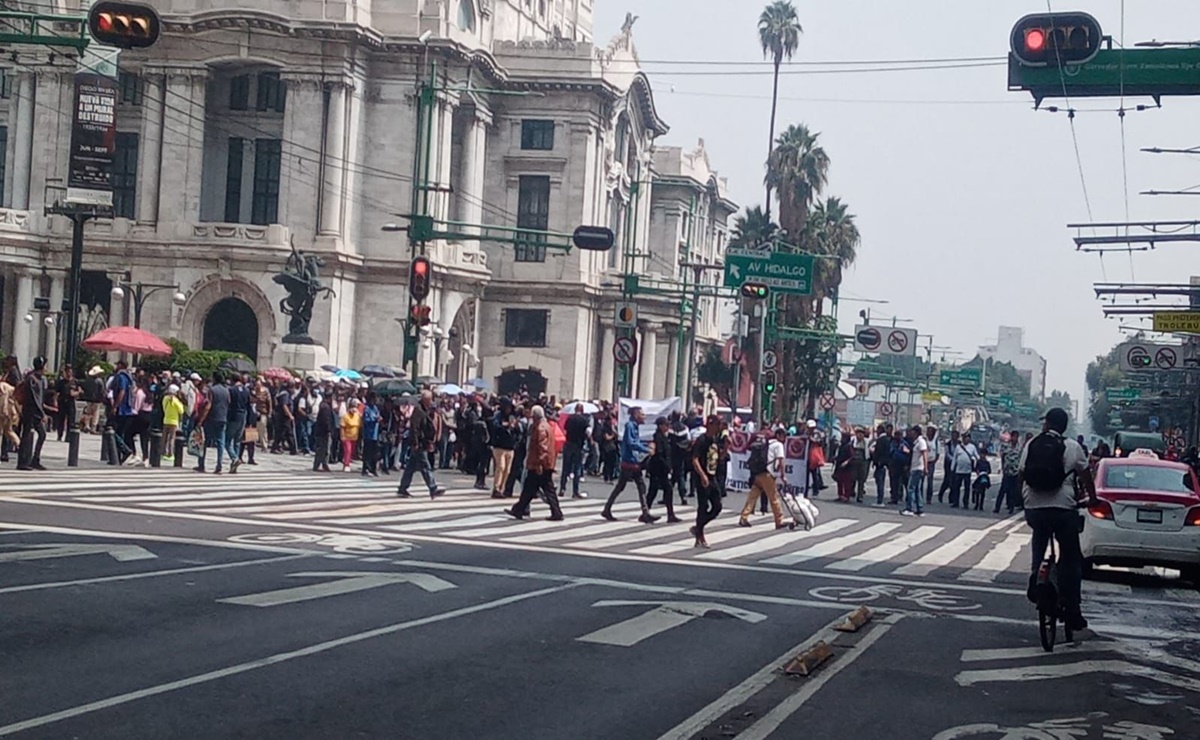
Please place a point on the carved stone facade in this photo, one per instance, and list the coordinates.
(246, 131)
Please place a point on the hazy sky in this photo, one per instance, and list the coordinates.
(961, 190)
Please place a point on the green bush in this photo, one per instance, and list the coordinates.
(201, 361)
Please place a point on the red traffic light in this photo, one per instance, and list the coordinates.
(124, 25)
(419, 278)
(1035, 41)
(421, 315)
(1054, 39)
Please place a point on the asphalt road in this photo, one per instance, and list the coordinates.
(119, 621)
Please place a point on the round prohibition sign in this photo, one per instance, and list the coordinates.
(1166, 359)
(828, 401)
(870, 339)
(1138, 357)
(886, 409)
(898, 341)
(625, 350)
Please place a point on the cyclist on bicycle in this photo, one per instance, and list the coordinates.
(1053, 468)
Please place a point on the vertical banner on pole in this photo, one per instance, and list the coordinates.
(93, 140)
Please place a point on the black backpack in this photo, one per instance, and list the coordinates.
(758, 457)
(1044, 470)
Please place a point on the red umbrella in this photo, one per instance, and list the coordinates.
(277, 373)
(126, 339)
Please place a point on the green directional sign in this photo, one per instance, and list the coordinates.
(780, 271)
(1116, 395)
(1113, 72)
(965, 377)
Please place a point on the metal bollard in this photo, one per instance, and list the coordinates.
(108, 447)
(156, 448)
(72, 448)
(180, 449)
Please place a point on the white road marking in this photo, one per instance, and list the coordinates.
(999, 559)
(776, 540)
(665, 616)
(120, 553)
(346, 583)
(770, 722)
(150, 574)
(1101, 587)
(716, 536)
(833, 546)
(471, 521)
(572, 532)
(1046, 671)
(270, 660)
(646, 533)
(944, 555)
(893, 548)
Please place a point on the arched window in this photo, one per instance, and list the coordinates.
(466, 15)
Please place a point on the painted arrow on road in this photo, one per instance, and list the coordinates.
(346, 583)
(120, 553)
(666, 615)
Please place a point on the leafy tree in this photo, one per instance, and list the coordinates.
(752, 229)
(713, 371)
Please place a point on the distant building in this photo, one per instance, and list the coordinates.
(1010, 348)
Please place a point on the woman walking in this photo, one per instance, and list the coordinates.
(351, 426)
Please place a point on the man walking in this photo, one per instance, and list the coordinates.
(948, 466)
(576, 430)
(659, 468)
(1010, 466)
(239, 407)
(422, 436)
(862, 463)
(914, 506)
(767, 469)
(33, 418)
(539, 466)
(215, 420)
(881, 453)
(706, 458)
(935, 453)
(633, 451)
(322, 433)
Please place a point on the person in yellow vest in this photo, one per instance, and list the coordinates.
(351, 427)
(173, 408)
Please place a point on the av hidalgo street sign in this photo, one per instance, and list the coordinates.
(782, 272)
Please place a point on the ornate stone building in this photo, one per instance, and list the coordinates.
(256, 126)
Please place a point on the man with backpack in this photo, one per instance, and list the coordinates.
(766, 466)
(1051, 466)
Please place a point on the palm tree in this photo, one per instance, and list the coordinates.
(779, 33)
(752, 229)
(831, 231)
(799, 170)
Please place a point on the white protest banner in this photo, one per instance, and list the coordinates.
(796, 477)
(652, 408)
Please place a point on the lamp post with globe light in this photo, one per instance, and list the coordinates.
(140, 292)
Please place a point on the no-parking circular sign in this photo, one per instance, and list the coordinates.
(886, 409)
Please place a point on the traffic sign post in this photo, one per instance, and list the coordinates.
(625, 351)
(885, 340)
(886, 410)
(783, 272)
(1147, 357)
(828, 401)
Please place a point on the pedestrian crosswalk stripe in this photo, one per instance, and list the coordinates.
(776, 540)
(575, 532)
(511, 526)
(832, 547)
(944, 555)
(999, 559)
(645, 533)
(887, 551)
(471, 521)
(717, 535)
(273, 508)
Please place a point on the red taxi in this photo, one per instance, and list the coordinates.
(1148, 514)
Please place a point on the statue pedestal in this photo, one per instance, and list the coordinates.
(303, 358)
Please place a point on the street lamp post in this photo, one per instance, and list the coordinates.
(140, 292)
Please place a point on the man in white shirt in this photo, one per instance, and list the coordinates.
(913, 505)
(963, 464)
(767, 483)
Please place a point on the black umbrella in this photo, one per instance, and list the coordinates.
(238, 365)
(430, 380)
(377, 371)
(393, 387)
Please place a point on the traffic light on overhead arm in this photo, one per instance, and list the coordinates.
(124, 25)
(1056, 39)
(421, 315)
(419, 276)
(755, 291)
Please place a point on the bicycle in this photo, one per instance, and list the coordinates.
(1045, 594)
